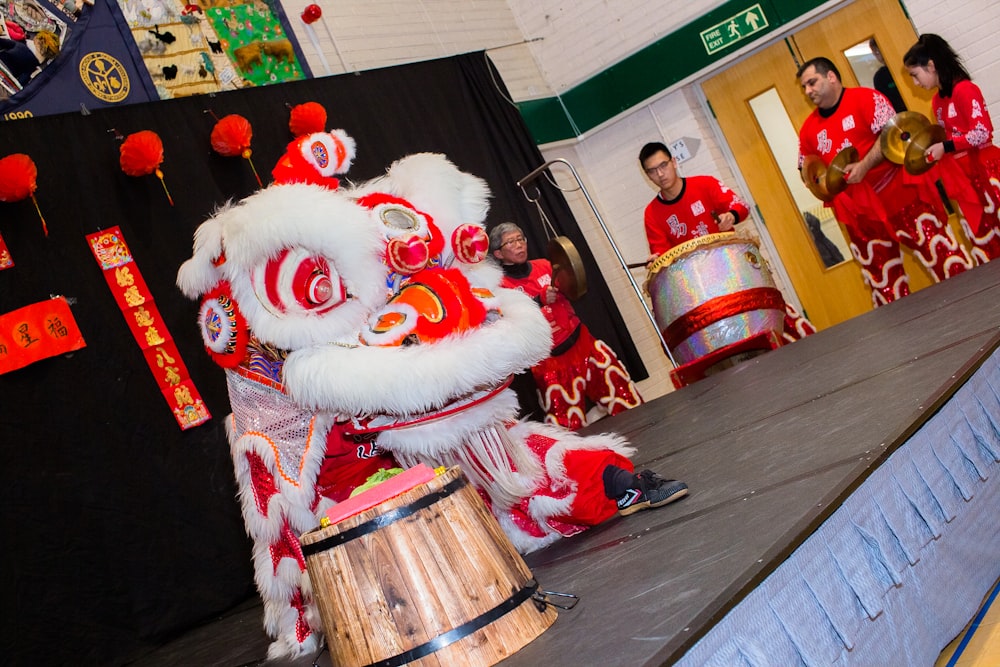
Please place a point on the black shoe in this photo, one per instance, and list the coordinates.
(653, 491)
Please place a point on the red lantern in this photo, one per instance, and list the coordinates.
(311, 14)
(307, 118)
(142, 153)
(18, 176)
(231, 138)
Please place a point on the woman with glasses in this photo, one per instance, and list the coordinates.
(581, 368)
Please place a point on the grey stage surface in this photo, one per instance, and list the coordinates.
(770, 448)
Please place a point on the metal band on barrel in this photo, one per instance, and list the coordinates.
(384, 520)
(463, 630)
(719, 308)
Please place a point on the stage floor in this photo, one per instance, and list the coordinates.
(770, 448)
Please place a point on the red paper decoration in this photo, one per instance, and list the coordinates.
(231, 138)
(307, 118)
(18, 180)
(17, 177)
(142, 154)
(311, 14)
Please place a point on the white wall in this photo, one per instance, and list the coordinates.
(583, 37)
(545, 47)
(355, 35)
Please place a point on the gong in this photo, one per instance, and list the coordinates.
(914, 160)
(899, 132)
(568, 273)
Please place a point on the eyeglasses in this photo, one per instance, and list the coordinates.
(520, 240)
(658, 168)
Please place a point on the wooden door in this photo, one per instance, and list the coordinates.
(759, 106)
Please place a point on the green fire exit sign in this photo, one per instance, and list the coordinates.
(734, 29)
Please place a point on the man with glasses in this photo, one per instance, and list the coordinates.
(684, 208)
(580, 367)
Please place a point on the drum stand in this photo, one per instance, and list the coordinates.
(549, 230)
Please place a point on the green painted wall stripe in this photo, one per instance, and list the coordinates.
(647, 72)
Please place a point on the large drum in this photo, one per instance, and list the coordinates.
(711, 292)
(426, 578)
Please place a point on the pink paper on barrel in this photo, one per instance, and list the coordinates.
(390, 488)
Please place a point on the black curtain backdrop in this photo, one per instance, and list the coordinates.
(120, 530)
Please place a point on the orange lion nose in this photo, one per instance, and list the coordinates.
(433, 304)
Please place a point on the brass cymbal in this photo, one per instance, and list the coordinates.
(836, 182)
(568, 273)
(898, 132)
(814, 176)
(914, 161)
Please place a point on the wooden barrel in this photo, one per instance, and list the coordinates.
(426, 578)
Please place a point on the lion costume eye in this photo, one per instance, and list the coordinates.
(298, 282)
(398, 220)
(319, 288)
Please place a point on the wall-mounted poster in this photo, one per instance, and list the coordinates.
(210, 45)
(75, 55)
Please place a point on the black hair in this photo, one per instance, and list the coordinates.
(947, 63)
(823, 66)
(652, 148)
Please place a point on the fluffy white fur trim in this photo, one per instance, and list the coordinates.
(524, 542)
(431, 438)
(416, 379)
(567, 441)
(543, 508)
(433, 184)
(322, 222)
(291, 503)
(199, 274)
(486, 274)
(286, 646)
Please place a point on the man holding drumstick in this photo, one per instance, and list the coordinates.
(580, 367)
(686, 208)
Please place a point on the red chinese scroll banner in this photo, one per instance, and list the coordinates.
(148, 327)
(37, 332)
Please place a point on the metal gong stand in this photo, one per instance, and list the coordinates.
(564, 256)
